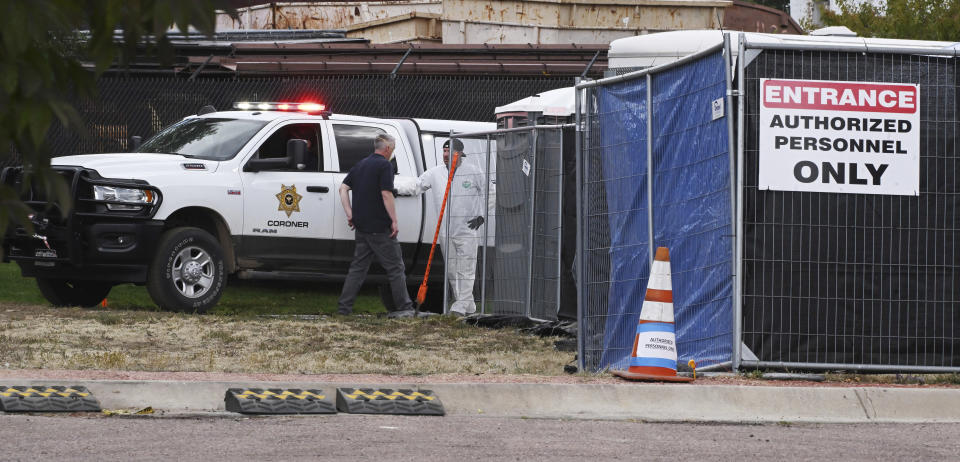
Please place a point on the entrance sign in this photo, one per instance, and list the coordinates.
(840, 137)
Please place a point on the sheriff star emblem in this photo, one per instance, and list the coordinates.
(289, 199)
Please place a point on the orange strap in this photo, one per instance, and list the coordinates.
(422, 292)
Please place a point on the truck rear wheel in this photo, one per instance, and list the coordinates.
(187, 272)
(62, 292)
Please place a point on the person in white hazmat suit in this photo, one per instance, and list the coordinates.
(465, 205)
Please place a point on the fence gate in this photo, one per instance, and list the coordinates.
(517, 271)
(864, 279)
(841, 248)
(654, 169)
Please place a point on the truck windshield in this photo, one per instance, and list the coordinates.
(204, 138)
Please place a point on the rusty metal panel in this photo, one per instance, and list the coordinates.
(412, 27)
(751, 17)
(604, 14)
(486, 21)
(327, 15)
(455, 32)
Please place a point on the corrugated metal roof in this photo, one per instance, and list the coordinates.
(331, 57)
(239, 52)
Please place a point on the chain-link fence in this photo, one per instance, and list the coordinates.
(852, 280)
(654, 167)
(506, 193)
(139, 105)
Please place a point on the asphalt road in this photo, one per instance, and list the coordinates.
(385, 438)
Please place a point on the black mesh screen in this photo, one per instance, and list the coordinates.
(854, 278)
(138, 105)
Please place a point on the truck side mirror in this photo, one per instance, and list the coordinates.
(297, 154)
(135, 143)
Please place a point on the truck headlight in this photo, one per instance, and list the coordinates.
(137, 198)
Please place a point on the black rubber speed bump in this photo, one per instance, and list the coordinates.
(42, 398)
(278, 401)
(387, 401)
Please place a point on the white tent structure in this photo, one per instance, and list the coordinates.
(559, 102)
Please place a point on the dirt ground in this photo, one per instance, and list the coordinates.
(43, 342)
(43, 337)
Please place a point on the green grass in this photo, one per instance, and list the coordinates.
(240, 297)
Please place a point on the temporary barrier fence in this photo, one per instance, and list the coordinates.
(852, 280)
(654, 170)
(513, 179)
(817, 275)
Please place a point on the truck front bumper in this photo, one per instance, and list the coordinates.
(90, 242)
(111, 251)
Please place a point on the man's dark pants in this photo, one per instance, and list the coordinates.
(387, 251)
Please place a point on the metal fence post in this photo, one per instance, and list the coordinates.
(581, 325)
(734, 270)
(560, 223)
(738, 257)
(486, 234)
(445, 248)
(533, 191)
(650, 167)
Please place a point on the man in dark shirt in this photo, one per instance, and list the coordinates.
(374, 218)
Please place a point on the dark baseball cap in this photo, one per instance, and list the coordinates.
(457, 145)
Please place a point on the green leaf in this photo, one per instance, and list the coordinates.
(904, 19)
(41, 74)
(9, 77)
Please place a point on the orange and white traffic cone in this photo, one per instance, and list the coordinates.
(654, 355)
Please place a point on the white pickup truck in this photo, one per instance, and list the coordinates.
(222, 193)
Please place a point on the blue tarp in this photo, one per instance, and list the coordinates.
(623, 138)
(691, 207)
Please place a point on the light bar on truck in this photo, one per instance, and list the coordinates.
(308, 107)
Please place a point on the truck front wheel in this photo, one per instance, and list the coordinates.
(187, 272)
(63, 292)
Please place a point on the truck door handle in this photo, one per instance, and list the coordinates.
(318, 189)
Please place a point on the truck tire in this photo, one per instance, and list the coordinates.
(62, 292)
(187, 272)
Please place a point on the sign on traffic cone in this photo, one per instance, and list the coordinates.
(654, 354)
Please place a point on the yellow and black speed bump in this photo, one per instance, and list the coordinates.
(42, 398)
(387, 401)
(278, 401)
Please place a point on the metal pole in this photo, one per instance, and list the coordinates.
(650, 168)
(863, 47)
(445, 248)
(581, 183)
(849, 367)
(734, 270)
(393, 74)
(590, 64)
(486, 234)
(738, 259)
(714, 367)
(533, 196)
(651, 70)
(560, 223)
(501, 131)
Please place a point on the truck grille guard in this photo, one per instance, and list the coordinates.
(66, 233)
